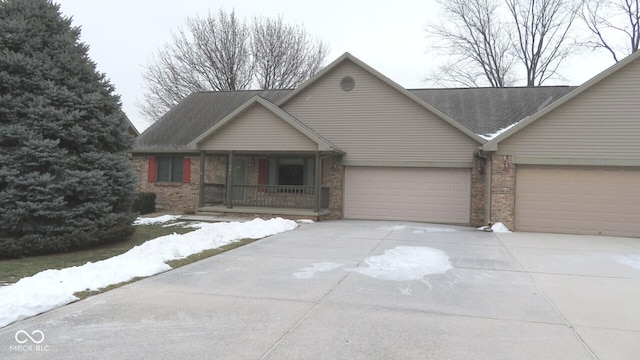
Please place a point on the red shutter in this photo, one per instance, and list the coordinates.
(186, 170)
(151, 172)
(262, 171)
(263, 168)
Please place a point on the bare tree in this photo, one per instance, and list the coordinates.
(542, 42)
(284, 55)
(222, 52)
(613, 22)
(485, 38)
(474, 38)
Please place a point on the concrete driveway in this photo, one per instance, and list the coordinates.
(298, 295)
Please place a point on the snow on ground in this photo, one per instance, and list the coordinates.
(497, 227)
(306, 221)
(405, 263)
(155, 220)
(49, 289)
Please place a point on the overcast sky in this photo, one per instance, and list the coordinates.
(387, 35)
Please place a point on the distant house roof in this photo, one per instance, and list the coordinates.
(483, 111)
(488, 110)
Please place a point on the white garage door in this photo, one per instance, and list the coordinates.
(578, 200)
(412, 194)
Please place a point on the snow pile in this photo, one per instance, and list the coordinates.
(53, 288)
(406, 263)
(497, 227)
(155, 220)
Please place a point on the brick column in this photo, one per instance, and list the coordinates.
(478, 192)
(333, 177)
(503, 190)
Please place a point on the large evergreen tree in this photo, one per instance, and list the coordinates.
(65, 181)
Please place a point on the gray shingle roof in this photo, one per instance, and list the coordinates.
(481, 110)
(194, 115)
(487, 110)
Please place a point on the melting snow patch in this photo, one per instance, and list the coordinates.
(310, 271)
(53, 288)
(405, 263)
(418, 229)
(631, 260)
(306, 221)
(498, 132)
(155, 220)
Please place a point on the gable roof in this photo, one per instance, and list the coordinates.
(323, 144)
(493, 144)
(347, 56)
(194, 115)
(485, 111)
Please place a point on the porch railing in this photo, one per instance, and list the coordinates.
(272, 196)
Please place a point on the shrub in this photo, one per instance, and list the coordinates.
(144, 203)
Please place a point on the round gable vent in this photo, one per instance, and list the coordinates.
(347, 83)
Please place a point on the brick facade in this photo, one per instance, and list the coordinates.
(170, 196)
(184, 197)
(503, 190)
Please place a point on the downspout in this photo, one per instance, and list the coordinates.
(317, 181)
(489, 182)
(201, 193)
(230, 180)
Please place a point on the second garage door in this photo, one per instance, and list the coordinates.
(578, 200)
(412, 194)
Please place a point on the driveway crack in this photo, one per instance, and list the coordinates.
(304, 316)
(546, 297)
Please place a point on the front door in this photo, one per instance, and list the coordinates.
(239, 179)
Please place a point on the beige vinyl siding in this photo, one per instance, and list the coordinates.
(375, 122)
(601, 124)
(259, 129)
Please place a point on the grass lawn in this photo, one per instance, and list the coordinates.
(13, 270)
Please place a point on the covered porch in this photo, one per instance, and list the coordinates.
(271, 162)
(274, 183)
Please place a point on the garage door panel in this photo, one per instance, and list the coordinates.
(578, 200)
(412, 194)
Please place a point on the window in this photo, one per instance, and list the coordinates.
(291, 172)
(169, 169)
(295, 172)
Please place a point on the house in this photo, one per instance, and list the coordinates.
(351, 143)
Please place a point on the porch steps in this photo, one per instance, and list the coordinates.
(213, 217)
(222, 213)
